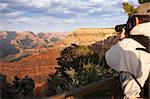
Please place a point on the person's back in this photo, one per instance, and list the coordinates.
(131, 56)
(124, 58)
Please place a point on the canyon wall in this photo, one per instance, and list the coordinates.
(86, 36)
(37, 67)
(44, 60)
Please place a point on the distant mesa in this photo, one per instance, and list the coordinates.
(15, 44)
(86, 36)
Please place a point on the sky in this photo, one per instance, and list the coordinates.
(60, 15)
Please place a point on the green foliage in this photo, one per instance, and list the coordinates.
(129, 8)
(80, 66)
(88, 74)
(20, 89)
(56, 85)
(143, 1)
(3, 84)
(73, 57)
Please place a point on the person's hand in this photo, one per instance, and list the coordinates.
(122, 34)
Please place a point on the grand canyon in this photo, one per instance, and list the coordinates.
(25, 53)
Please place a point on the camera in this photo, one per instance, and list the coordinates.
(131, 23)
(119, 28)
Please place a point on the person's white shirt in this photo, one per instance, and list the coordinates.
(123, 57)
(141, 29)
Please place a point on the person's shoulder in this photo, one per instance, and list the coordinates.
(141, 29)
(126, 40)
(128, 43)
(122, 44)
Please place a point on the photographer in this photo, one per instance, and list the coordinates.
(131, 55)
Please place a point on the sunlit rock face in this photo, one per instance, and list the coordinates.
(87, 36)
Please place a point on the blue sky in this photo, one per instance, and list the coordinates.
(60, 15)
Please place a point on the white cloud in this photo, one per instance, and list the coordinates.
(45, 3)
(69, 21)
(96, 1)
(58, 10)
(23, 20)
(125, 0)
(13, 14)
(41, 21)
(82, 15)
(2, 27)
(3, 5)
(41, 15)
(40, 3)
(95, 10)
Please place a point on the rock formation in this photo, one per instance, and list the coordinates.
(86, 36)
(18, 44)
(44, 60)
(36, 66)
